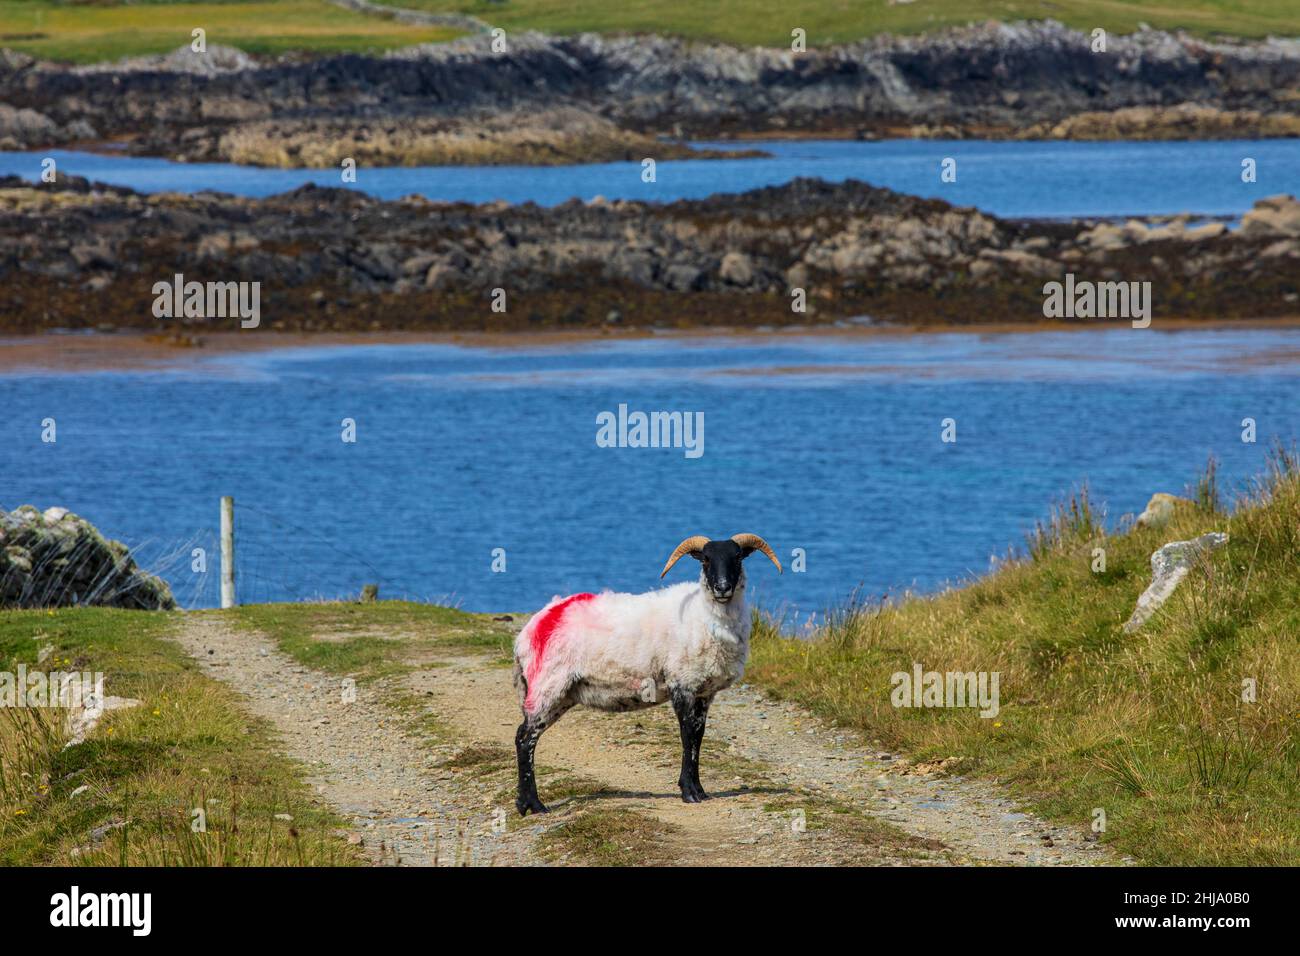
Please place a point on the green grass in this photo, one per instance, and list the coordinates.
(374, 639)
(93, 33)
(769, 22)
(146, 769)
(1149, 727)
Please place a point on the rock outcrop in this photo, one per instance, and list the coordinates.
(1169, 565)
(553, 137)
(1160, 510)
(77, 255)
(56, 559)
(988, 80)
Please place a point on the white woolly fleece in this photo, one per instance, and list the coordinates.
(607, 650)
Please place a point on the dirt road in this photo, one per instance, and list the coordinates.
(423, 764)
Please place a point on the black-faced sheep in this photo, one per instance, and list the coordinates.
(620, 652)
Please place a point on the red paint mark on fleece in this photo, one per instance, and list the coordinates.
(543, 628)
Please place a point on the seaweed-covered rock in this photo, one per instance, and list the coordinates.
(56, 559)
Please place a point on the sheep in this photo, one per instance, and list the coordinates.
(621, 652)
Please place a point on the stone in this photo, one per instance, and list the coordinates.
(1103, 236)
(1211, 230)
(1159, 510)
(737, 269)
(1274, 215)
(1169, 565)
(682, 277)
(82, 720)
(1022, 261)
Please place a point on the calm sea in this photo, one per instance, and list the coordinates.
(1040, 179)
(828, 444)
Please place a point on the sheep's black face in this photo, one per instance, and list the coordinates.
(723, 568)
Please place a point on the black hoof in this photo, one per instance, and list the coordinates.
(693, 793)
(530, 805)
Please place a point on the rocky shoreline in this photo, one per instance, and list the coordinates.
(590, 97)
(79, 255)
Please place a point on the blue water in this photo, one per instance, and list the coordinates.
(1039, 179)
(827, 444)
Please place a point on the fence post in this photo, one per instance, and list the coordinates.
(227, 551)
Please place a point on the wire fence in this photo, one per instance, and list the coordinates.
(277, 559)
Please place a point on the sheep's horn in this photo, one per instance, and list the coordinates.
(693, 543)
(757, 544)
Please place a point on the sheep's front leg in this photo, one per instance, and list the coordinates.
(691, 713)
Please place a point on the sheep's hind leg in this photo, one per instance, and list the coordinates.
(526, 737)
(691, 714)
(525, 746)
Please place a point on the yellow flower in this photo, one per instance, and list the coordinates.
(156, 712)
(19, 813)
(997, 723)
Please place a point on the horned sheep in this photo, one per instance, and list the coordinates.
(622, 652)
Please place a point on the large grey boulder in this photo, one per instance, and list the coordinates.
(1169, 565)
(53, 558)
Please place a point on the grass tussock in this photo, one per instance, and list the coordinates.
(480, 760)
(183, 779)
(881, 839)
(1186, 733)
(608, 837)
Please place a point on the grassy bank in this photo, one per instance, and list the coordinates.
(128, 794)
(98, 31)
(375, 639)
(1150, 727)
(86, 33)
(769, 22)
